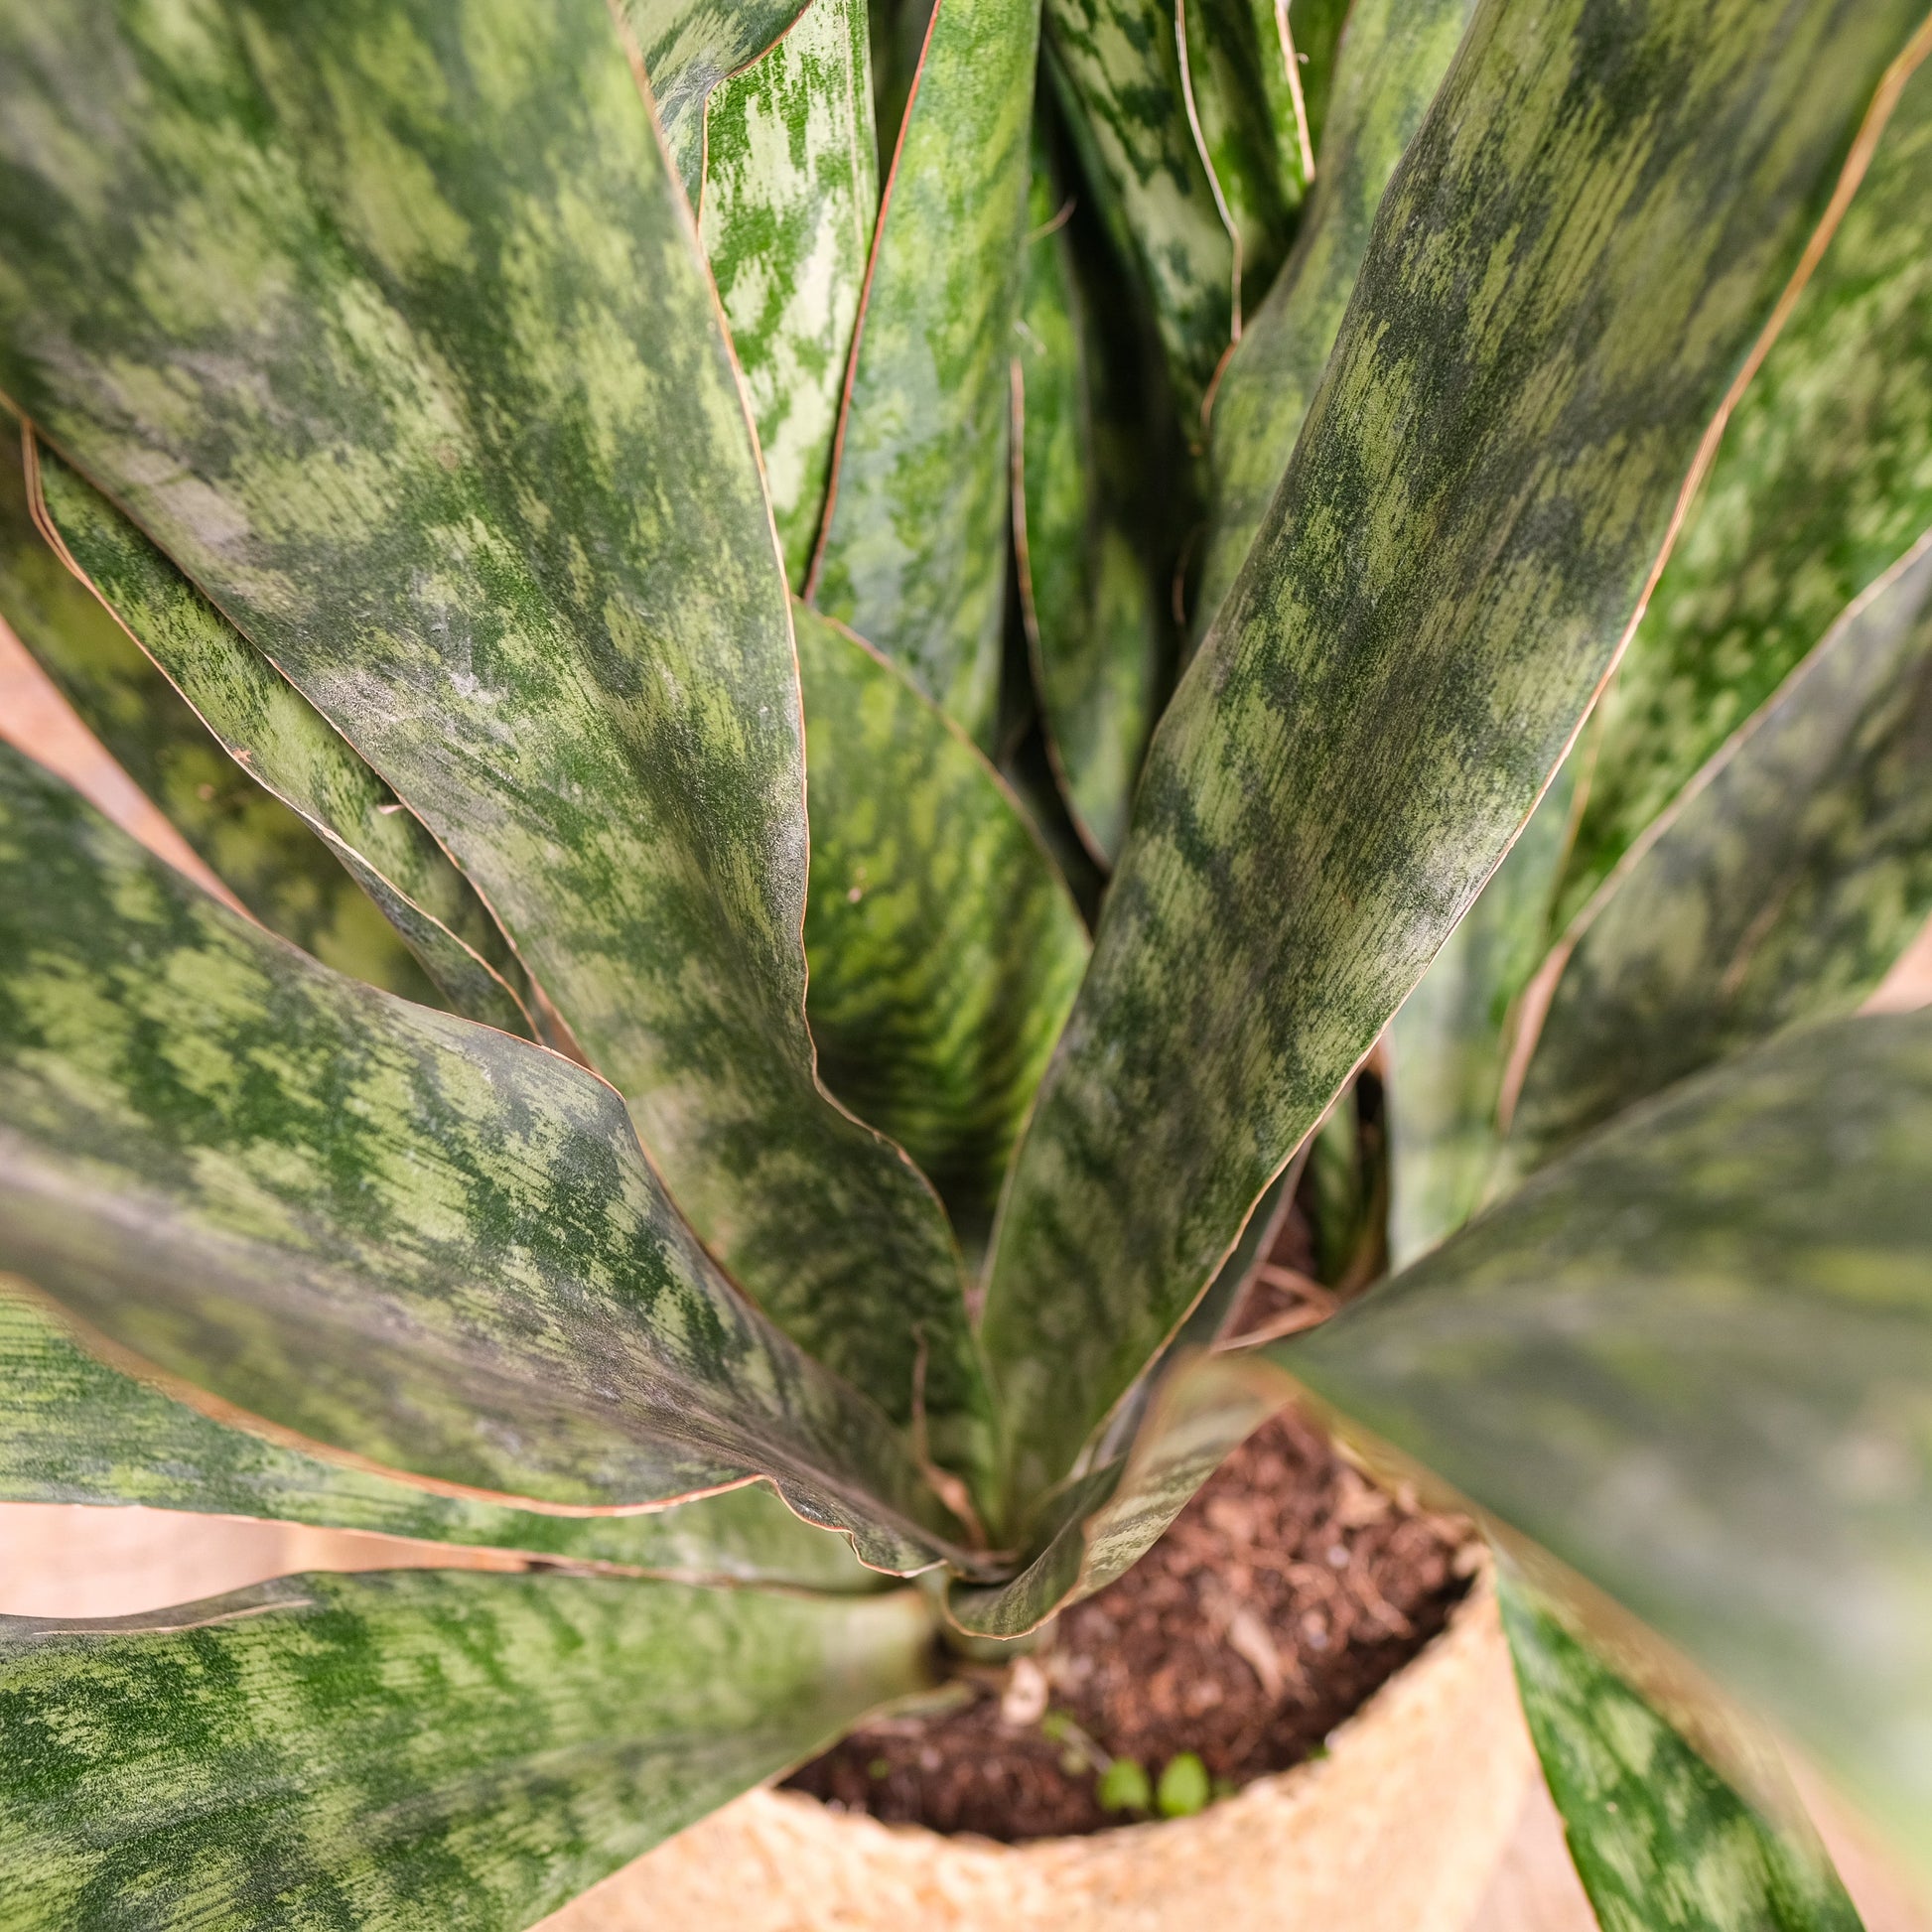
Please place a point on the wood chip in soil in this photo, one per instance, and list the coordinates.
(1286, 1592)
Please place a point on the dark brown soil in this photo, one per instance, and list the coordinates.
(1285, 1592)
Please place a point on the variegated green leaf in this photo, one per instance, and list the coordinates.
(273, 863)
(688, 48)
(1487, 477)
(1257, 178)
(406, 1751)
(1780, 885)
(1087, 512)
(386, 319)
(279, 738)
(75, 1431)
(790, 196)
(912, 555)
(1393, 56)
(1110, 1519)
(1116, 69)
(1823, 478)
(1308, 30)
(1693, 1359)
(944, 949)
(1661, 1841)
(386, 1228)
(1449, 1042)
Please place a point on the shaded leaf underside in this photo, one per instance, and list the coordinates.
(1693, 1359)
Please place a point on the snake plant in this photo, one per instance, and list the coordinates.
(832, 668)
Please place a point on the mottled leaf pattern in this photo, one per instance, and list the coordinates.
(406, 1750)
(269, 729)
(260, 850)
(944, 949)
(1089, 560)
(1823, 479)
(1779, 887)
(1447, 1044)
(75, 1431)
(688, 48)
(416, 370)
(912, 555)
(386, 1228)
(790, 196)
(1693, 1359)
(1116, 68)
(1393, 56)
(1487, 475)
(1661, 1842)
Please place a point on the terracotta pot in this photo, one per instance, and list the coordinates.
(1398, 1829)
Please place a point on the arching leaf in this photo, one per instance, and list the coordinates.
(75, 1431)
(393, 1231)
(1693, 1360)
(409, 1749)
(912, 555)
(386, 319)
(285, 746)
(1780, 887)
(1487, 479)
(261, 851)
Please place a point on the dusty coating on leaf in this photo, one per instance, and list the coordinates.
(383, 1227)
(1660, 1840)
(1487, 478)
(1691, 1359)
(791, 192)
(387, 322)
(914, 551)
(387, 1752)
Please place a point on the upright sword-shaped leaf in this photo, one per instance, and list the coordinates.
(1487, 479)
(405, 353)
(912, 555)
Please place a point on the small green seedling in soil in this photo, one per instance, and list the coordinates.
(1183, 1788)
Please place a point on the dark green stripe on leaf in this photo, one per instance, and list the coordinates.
(406, 1751)
(1661, 1842)
(1486, 478)
(391, 1230)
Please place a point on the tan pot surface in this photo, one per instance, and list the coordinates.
(1399, 1828)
